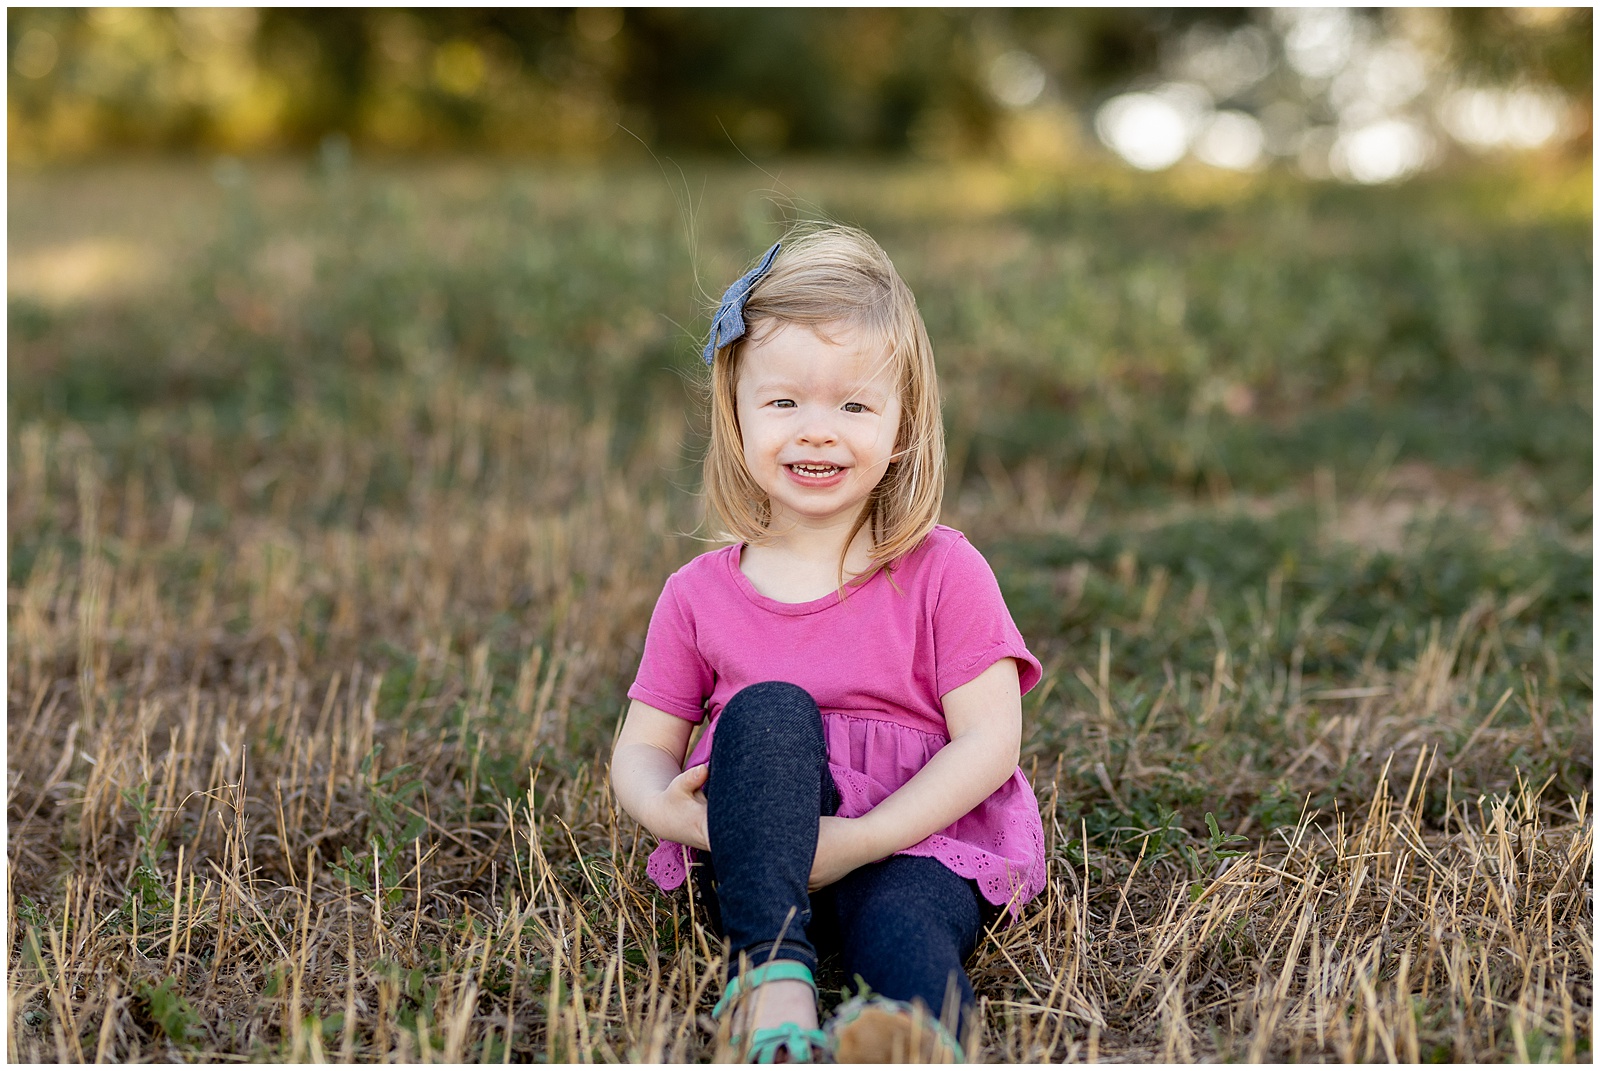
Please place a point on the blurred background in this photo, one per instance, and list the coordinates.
(1364, 96)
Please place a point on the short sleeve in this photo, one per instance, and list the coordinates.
(672, 674)
(972, 629)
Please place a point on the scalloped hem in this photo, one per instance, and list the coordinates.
(668, 869)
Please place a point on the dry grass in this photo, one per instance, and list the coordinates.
(189, 776)
(307, 711)
(1372, 938)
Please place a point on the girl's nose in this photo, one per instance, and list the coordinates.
(818, 436)
(818, 430)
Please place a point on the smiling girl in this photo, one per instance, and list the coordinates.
(856, 790)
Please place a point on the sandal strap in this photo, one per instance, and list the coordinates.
(777, 970)
(802, 1045)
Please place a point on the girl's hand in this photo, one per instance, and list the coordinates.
(681, 809)
(840, 849)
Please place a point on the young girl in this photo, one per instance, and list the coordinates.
(857, 787)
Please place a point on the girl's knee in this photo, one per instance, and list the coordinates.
(773, 694)
(771, 707)
(770, 731)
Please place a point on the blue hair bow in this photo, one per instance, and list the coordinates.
(729, 321)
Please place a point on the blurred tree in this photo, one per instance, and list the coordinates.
(565, 81)
(768, 79)
(1547, 44)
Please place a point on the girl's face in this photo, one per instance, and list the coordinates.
(819, 420)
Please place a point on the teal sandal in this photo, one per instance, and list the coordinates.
(765, 1045)
(877, 1030)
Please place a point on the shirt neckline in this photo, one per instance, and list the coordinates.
(788, 609)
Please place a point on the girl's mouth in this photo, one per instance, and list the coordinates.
(813, 471)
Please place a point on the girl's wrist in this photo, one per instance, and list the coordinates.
(867, 840)
(665, 824)
(651, 813)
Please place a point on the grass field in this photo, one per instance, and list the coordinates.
(339, 501)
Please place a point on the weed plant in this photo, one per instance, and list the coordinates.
(337, 518)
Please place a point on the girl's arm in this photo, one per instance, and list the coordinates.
(648, 777)
(985, 721)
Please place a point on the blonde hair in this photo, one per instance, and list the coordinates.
(829, 275)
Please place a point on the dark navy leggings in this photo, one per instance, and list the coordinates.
(905, 924)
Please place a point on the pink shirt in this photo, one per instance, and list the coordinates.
(877, 664)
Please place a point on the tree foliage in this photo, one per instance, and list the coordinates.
(570, 81)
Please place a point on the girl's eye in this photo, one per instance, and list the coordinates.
(784, 403)
(854, 407)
